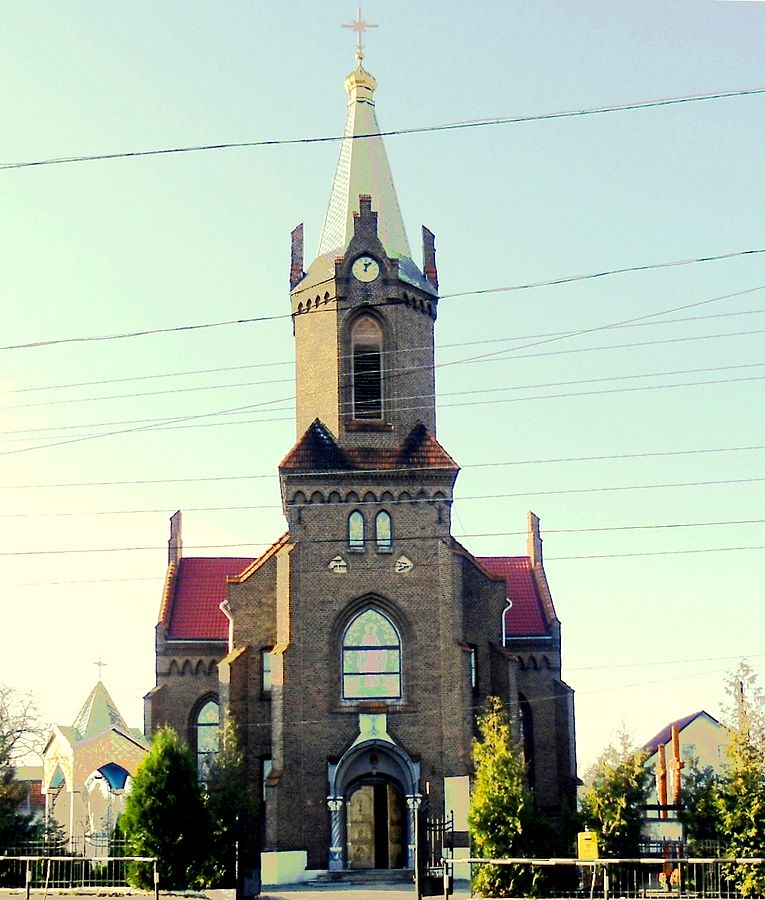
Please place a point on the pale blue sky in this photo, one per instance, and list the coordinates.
(112, 246)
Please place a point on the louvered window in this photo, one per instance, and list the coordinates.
(366, 343)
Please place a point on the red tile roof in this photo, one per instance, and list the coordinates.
(199, 589)
(318, 451)
(526, 617)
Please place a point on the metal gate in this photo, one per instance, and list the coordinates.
(434, 839)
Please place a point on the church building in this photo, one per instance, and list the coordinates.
(356, 652)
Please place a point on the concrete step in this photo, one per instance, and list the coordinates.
(369, 876)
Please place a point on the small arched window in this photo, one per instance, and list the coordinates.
(383, 531)
(371, 658)
(207, 735)
(355, 531)
(366, 352)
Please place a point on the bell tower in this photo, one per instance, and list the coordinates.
(363, 314)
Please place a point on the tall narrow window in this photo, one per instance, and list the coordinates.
(207, 735)
(383, 531)
(265, 682)
(366, 349)
(371, 658)
(266, 764)
(473, 669)
(355, 531)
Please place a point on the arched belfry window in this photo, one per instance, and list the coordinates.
(383, 531)
(355, 531)
(371, 658)
(206, 734)
(366, 352)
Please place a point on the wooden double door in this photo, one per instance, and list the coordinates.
(376, 828)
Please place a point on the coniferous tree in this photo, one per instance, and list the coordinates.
(165, 816)
(234, 810)
(613, 802)
(502, 820)
(741, 796)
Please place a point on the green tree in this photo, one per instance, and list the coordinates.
(502, 820)
(742, 791)
(700, 809)
(233, 808)
(165, 816)
(20, 733)
(617, 790)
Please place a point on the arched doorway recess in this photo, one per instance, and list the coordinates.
(374, 795)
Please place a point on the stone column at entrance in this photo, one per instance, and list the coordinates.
(412, 805)
(336, 806)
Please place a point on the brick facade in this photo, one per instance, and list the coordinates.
(456, 641)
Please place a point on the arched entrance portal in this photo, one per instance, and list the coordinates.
(376, 827)
(373, 798)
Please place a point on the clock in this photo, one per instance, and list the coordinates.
(365, 269)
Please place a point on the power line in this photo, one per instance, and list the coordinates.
(518, 287)
(493, 354)
(452, 126)
(650, 454)
(290, 362)
(513, 387)
(161, 420)
(412, 500)
(160, 578)
(400, 538)
(664, 662)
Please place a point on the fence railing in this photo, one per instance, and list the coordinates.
(67, 871)
(644, 877)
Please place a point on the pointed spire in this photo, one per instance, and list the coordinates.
(362, 168)
(98, 713)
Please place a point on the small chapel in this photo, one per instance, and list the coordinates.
(356, 652)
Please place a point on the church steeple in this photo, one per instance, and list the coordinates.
(363, 313)
(363, 168)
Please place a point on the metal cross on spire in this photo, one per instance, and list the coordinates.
(359, 26)
(100, 664)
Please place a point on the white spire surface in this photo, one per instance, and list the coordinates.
(363, 168)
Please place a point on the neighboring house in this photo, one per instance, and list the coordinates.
(701, 742)
(32, 802)
(87, 769)
(355, 652)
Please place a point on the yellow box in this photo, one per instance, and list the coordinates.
(587, 845)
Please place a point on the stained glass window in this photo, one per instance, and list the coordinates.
(356, 531)
(371, 658)
(207, 727)
(383, 531)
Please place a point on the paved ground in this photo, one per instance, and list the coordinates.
(353, 892)
(322, 891)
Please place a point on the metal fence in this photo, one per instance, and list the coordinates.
(645, 877)
(68, 865)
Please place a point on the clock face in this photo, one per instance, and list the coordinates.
(365, 269)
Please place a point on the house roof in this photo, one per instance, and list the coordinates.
(665, 735)
(198, 590)
(526, 616)
(318, 451)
